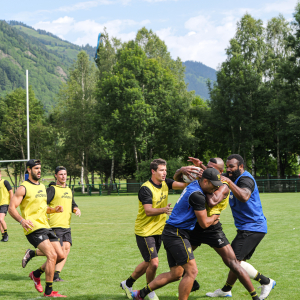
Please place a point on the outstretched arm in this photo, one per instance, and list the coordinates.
(219, 195)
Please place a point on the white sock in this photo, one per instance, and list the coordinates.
(252, 272)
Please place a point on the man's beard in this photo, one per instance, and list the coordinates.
(235, 175)
(34, 176)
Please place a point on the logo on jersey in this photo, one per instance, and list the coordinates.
(40, 191)
(40, 195)
(66, 195)
(152, 249)
(220, 242)
(190, 249)
(231, 196)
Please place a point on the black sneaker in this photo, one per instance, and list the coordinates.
(196, 286)
(26, 258)
(5, 238)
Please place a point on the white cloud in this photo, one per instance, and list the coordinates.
(286, 6)
(87, 31)
(84, 5)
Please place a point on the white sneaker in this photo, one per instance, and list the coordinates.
(152, 296)
(266, 289)
(126, 289)
(219, 293)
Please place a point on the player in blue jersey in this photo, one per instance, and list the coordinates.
(189, 209)
(250, 222)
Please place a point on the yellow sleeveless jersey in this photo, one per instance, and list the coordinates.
(34, 206)
(63, 196)
(4, 194)
(216, 210)
(152, 225)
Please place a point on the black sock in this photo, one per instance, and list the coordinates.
(262, 279)
(130, 281)
(37, 273)
(48, 289)
(32, 253)
(5, 231)
(254, 295)
(2, 234)
(145, 291)
(227, 287)
(56, 275)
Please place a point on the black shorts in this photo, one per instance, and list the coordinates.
(212, 236)
(245, 243)
(4, 209)
(149, 246)
(63, 234)
(177, 245)
(40, 235)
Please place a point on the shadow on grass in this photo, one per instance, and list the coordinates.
(13, 277)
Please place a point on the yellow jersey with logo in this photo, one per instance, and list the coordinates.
(152, 225)
(216, 210)
(34, 206)
(4, 194)
(63, 196)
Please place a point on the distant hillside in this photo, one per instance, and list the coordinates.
(196, 75)
(47, 57)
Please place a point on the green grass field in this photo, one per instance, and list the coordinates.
(104, 253)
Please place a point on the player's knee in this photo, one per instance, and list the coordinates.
(52, 256)
(233, 264)
(154, 263)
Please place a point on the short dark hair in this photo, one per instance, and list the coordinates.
(156, 162)
(59, 168)
(213, 160)
(237, 157)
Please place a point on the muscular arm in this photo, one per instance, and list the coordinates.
(150, 211)
(15, 202)
(188, 170)
(242, 194)
(218, 196)
(10, 194)
(205, 221)
(179, 185)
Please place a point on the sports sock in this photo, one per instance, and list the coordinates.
(56, 275)
(48, 289)
(37, 273)
(130, 281)
(254, 295)
(32, 253)
(2, 234)
(5, 231)
(227, 287)
(262, 279)
(145, 291)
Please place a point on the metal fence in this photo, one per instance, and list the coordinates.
(264, 186)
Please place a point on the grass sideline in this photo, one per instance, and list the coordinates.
(104, 253)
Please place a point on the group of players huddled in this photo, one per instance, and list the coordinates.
(45, 218)
(194, 220)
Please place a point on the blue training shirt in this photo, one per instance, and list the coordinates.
(183, 215)
(248, 216)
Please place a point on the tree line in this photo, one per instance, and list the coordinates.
(132, 105)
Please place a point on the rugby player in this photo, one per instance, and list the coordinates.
(214, 235)
(189, 209)
(6, 194)
(250, 222)
(58, 194)
(32, 198)
(150, 222)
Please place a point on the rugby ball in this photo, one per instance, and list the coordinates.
(188, 180)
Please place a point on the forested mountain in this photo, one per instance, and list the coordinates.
(47, 58)
(196, 75)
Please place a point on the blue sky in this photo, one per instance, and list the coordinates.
(192, 29)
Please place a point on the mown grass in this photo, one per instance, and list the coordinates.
(104, 253)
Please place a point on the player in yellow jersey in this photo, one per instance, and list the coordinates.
(6, 194)
(32, 198)
(59, 194)
(150, 222)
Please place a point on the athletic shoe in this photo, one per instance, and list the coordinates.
(55, 295)
(196, 286)
(152, 296)
(37, 282)
(266, 289)
(127, 290)
(58, 279)
(219, 293)
(5, 238)
(26, 258)
(136, 295)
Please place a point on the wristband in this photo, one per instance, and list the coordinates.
(21, 221)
